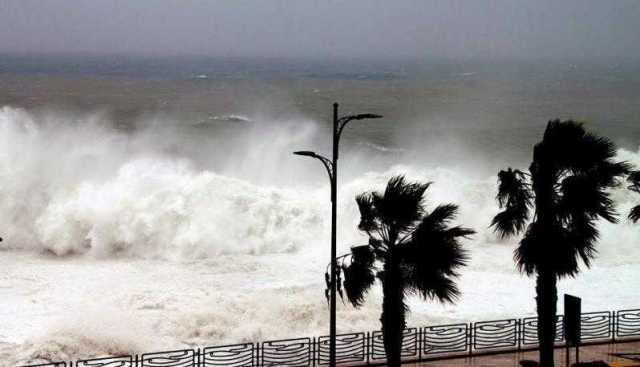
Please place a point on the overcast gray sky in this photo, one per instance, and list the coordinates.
(326, 28)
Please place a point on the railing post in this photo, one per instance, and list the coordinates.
(313, 352)
(254, 359)
(368, 348)
(420, 343)
(519, 334)
(258, 349)
(470, 339)
(612, 325)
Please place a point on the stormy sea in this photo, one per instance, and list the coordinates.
(151, 205)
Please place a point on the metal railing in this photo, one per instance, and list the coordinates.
(366, 348)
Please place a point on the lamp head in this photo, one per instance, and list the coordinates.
(305, 153)
(366, 116)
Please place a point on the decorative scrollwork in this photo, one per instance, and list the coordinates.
(495, 334)
(445, 339)
(627, 323)
(360, 348)
(349, 348)
(288, 352)
(409, 344)
(237, 355)
(529, 327)
(176, 358)
(122, 361)
(595, 326)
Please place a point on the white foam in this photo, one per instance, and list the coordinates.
(193, 255)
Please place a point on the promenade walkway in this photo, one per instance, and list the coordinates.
(587, 353)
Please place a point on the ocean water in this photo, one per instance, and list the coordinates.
(163, 209)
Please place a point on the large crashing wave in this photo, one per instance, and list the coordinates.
(164, 207)
(74, 185)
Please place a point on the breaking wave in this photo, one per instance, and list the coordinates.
(247, 211)
(78, 187)
(74, 185)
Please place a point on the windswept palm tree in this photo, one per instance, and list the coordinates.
(410, 250)
(567, 189)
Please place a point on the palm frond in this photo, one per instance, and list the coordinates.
(378, 247)
(434, 245)
(529, 254)
(557, 248)
(582, 195)
(359, 275)
(439, 217)
(433, 255)
(562, 143)
(582, 236)
(432, 285)
(634, 185)
(634, 214)
(590, 150)
(514, 195)
(363, 255)
(357, 281)
(571, 147)
(368, 213)
(634, 180)
(457, 231)
(444, 254)
(566, 244)
(610, 174)
(401, 204)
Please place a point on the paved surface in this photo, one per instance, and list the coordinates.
(587, 353)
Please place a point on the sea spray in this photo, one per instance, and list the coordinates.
(196, 241)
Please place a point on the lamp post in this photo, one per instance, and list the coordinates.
(332, 170)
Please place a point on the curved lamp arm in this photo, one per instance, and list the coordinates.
(326, 161)
(344, 120)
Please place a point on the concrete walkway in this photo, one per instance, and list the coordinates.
(587, 353)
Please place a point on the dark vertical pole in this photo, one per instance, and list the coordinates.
(471, 341)
(420, 338)
(613, 325)
(334, 196)
(566, 352)
(368, 347)
(519, 333)
(314, 356)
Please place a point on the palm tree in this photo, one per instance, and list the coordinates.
(411, 251)
(566, 187)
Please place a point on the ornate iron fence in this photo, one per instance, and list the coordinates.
(350, 348)
(494, 335)
(445, 339)
(367, 348)
(626, 324)
(239, 355)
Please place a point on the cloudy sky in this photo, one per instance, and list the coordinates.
(325, 28)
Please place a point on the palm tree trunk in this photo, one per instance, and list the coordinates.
(546, 299)
(393, 313)
(546, 292)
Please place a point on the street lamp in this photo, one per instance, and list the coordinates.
(332, 170)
